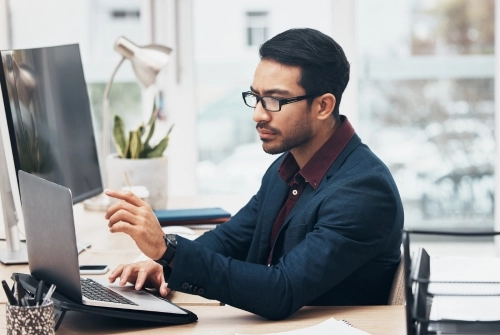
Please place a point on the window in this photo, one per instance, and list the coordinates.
(94, 25)
(231, 159)
(256, 28)
(427, 105)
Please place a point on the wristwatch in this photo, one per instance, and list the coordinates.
(168, 256)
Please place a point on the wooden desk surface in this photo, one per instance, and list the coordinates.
(222, 320)
(115, 249)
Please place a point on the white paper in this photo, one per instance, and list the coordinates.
(464, 289)
(465, 269)
(465, 308)
(328, 327)
(464, 276)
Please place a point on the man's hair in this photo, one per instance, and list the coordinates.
(322, 61)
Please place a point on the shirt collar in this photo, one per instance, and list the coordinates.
(316, 167)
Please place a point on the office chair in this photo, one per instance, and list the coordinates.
(397, 293)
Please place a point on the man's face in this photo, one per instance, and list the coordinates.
(292, 126)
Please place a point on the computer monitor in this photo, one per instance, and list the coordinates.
(49, 121)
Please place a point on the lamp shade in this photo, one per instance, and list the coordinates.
(147, 60)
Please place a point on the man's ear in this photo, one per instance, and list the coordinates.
(326, 103)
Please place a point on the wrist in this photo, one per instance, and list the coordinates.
(161, 251)
(168, 250)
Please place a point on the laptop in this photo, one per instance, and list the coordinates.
(53, 254)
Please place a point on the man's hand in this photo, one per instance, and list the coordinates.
(135, 217)
(147, 274)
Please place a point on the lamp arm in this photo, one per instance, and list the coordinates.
(106, 122)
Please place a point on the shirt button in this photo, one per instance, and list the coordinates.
(185, 285)
(294, 192)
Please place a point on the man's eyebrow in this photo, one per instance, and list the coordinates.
(273, 91)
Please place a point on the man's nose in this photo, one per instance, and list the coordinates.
(260, 113)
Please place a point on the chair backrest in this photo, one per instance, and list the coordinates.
(397, 293)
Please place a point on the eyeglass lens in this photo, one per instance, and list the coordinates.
(268, 103)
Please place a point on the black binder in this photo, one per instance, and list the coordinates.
(63, 304)
(419, 300)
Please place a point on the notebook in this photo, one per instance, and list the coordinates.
(53, 256)
(192, 216)
(330, 326)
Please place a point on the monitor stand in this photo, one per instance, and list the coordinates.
(20, 256)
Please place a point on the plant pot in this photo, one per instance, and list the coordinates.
(148, 172)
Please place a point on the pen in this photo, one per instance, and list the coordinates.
(21, 297)
(49, 294)
(8, 293)
(39, 293)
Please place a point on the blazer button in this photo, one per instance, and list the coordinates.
(190, 288)
(195, 289)
(201, 291)
(185, 285)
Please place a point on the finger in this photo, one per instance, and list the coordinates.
(125, 216)
(123, 227)
(116, 273)
(120, 205)
(125, 195)
(164, 290)
(142, 276)
(128, 274)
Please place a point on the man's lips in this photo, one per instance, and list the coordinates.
(265, 133)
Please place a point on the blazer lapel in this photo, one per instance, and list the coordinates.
(309, 191)
(271, 207)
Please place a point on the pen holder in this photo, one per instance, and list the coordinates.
(30, 320)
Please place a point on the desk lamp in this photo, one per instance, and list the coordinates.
(147, 61)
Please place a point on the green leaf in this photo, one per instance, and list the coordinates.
(150, 133)
(119, 137)
(135, 144)
(141, 129)
(158, 150)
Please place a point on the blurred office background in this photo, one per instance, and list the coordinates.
(421, 94)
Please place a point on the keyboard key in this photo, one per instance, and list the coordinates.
(95, 291)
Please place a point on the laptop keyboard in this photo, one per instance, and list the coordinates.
(95, 291)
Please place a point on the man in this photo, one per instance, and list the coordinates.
(324, 227)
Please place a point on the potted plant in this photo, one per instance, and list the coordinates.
(139, 161)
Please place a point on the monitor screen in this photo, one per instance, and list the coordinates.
(49, 118)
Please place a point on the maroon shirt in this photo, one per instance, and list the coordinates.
(311, 173)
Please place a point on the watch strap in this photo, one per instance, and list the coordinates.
(168, 256)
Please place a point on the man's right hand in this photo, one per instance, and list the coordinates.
(141, 274)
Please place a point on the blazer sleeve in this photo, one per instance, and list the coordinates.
(352, 226)
(233, 237)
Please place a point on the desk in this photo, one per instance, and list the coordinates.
(114, 249)
(222, 320)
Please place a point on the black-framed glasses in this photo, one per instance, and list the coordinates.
(271, 104)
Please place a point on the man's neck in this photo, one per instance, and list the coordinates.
(304, 153)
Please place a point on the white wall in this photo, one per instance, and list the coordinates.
(497, 124)
(4, 25)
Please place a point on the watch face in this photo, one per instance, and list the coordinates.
(171, 239)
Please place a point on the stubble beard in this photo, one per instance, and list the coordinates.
(301, 133)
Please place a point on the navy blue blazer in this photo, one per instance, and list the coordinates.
(340, 244)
